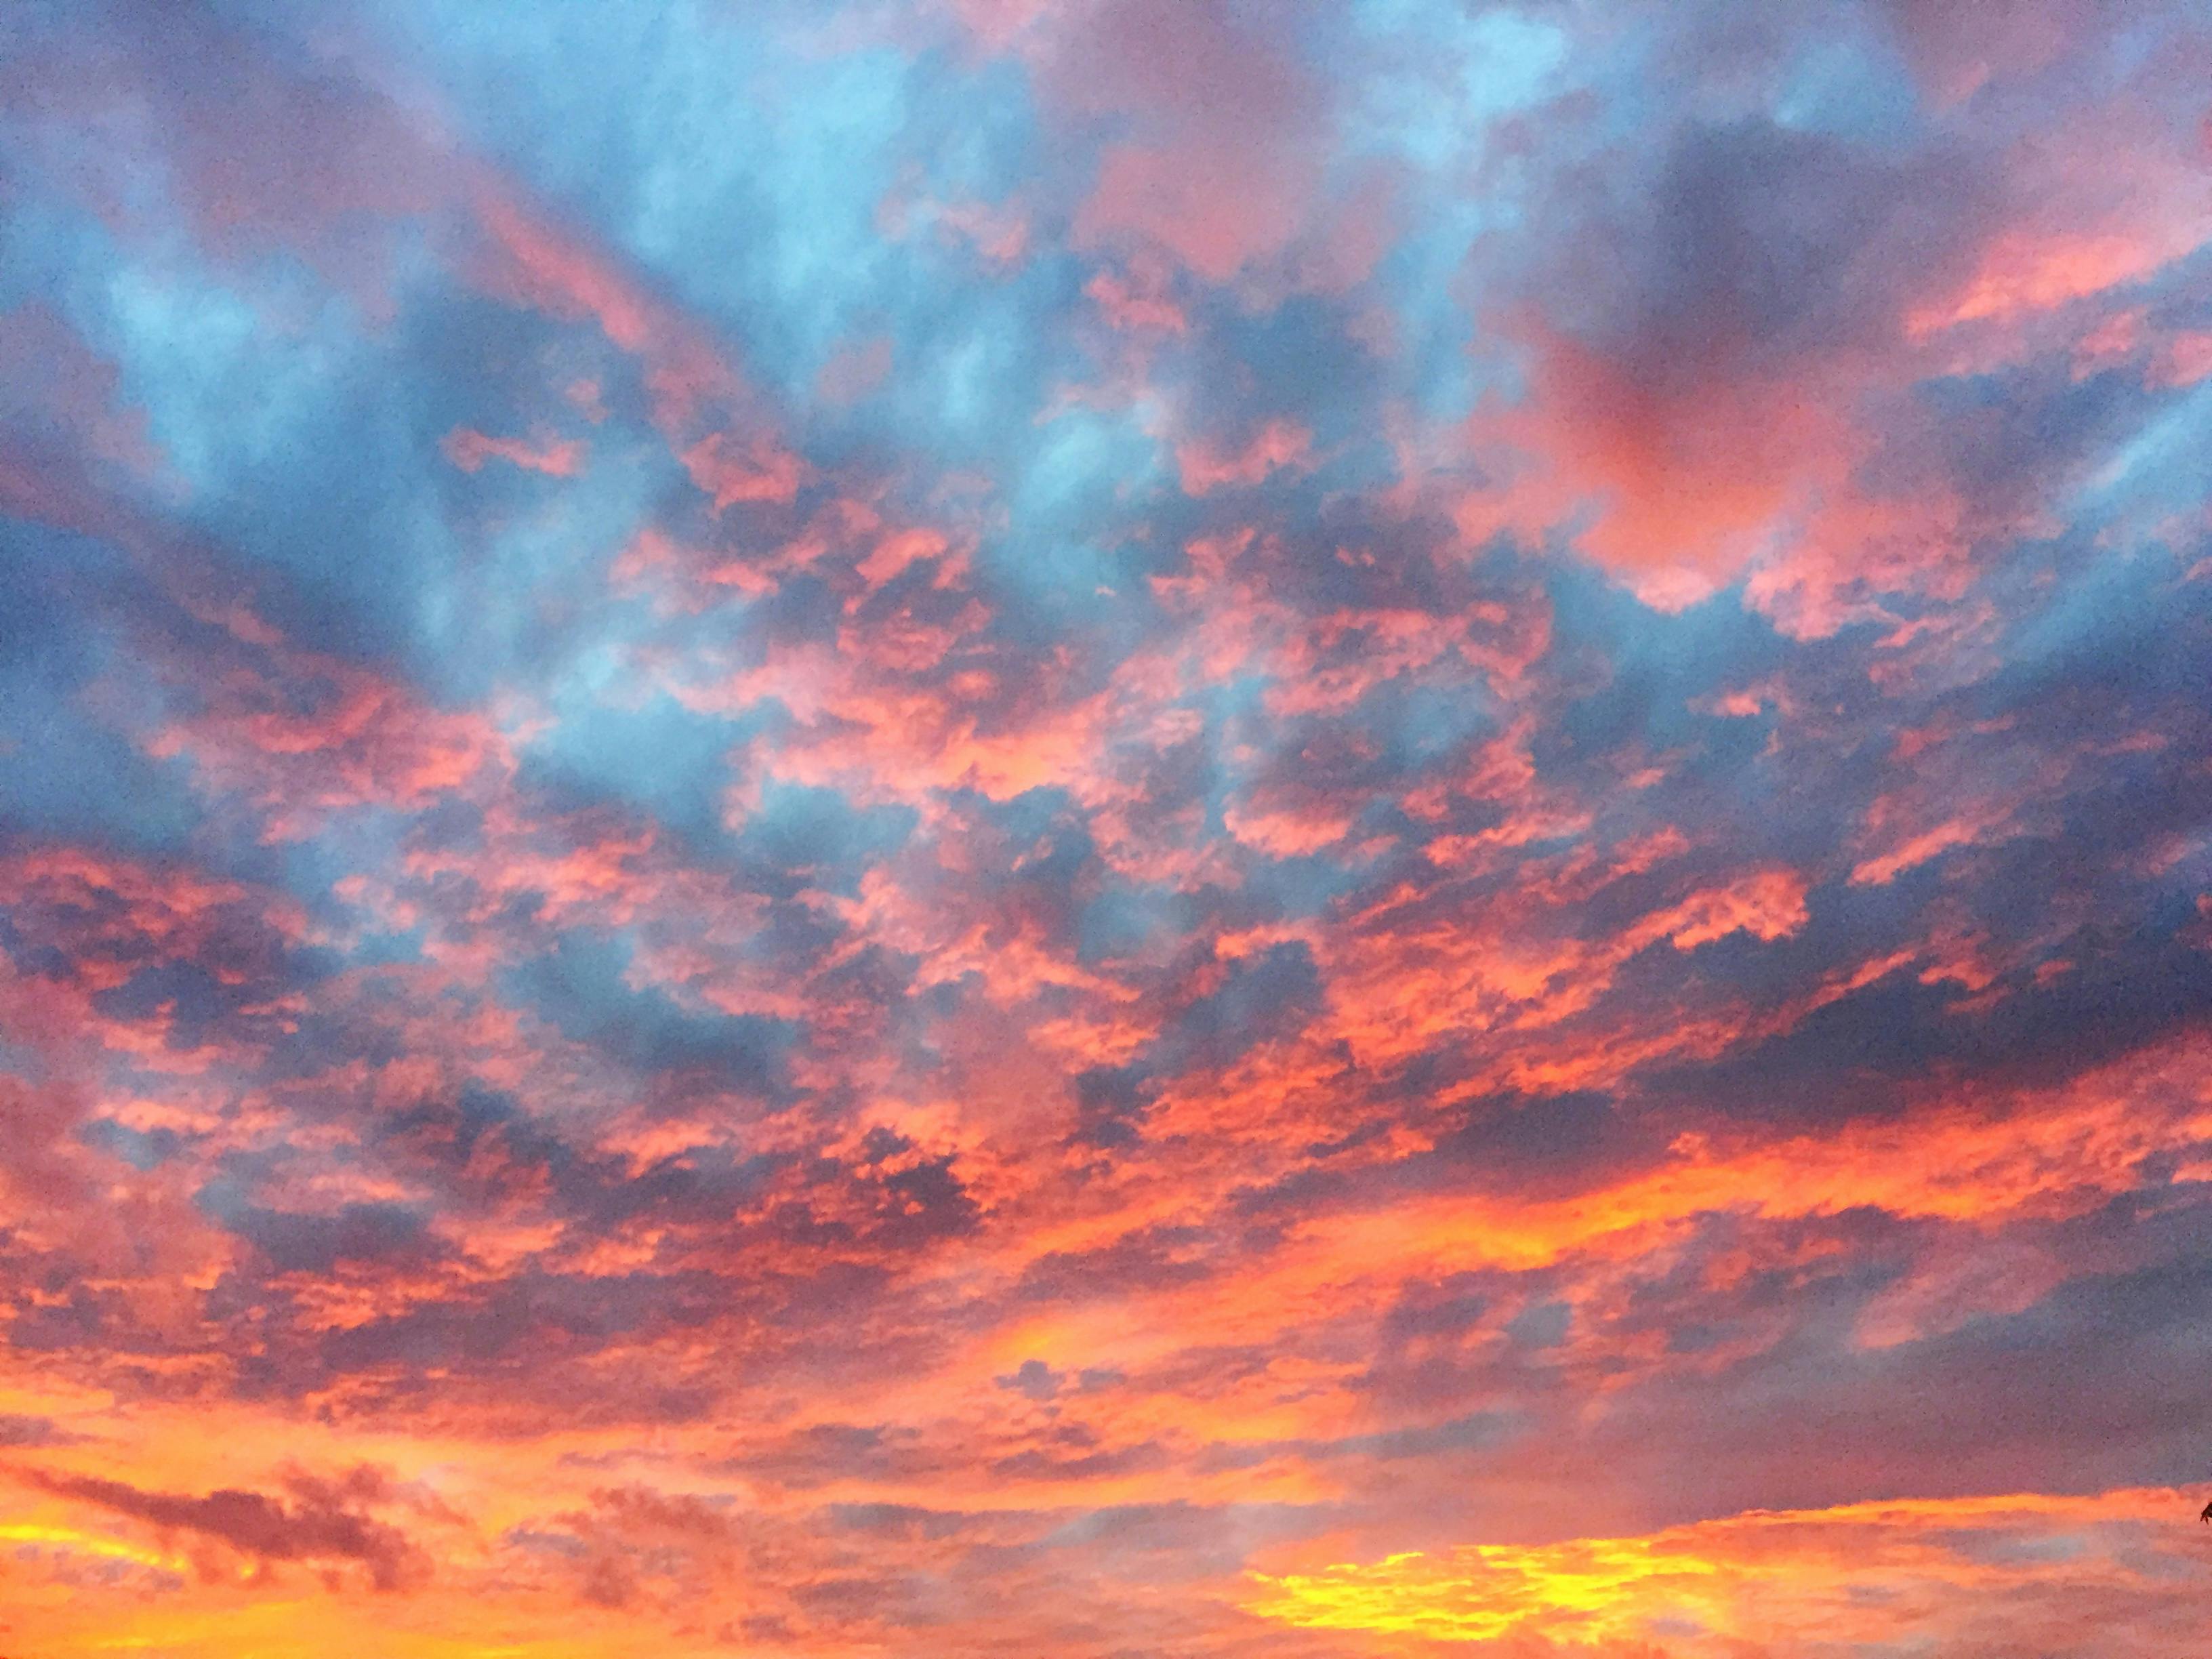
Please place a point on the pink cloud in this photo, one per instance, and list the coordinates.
(1137, 302)
(468, 449)
(1223, 157)
(1278, 445)
(301, 737)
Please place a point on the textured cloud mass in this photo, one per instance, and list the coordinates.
(1105, 828)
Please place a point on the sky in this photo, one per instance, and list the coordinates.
(1108, 829)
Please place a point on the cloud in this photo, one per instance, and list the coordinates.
(1768, 1581)
(325, 1520)
(1104, 826)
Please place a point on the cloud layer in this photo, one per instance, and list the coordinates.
(1096, 827)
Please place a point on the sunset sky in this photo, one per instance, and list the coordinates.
(1105, 828)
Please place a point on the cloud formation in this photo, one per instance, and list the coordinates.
(1091, 827)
